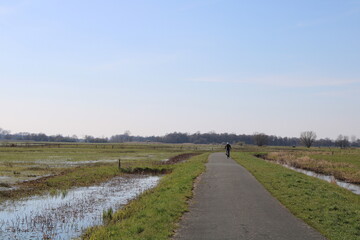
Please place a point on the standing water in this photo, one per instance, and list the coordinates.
(65, 216)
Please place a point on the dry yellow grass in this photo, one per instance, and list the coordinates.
(340, 170)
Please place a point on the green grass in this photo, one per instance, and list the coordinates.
(76, 177)
(331, 210)
(351, 156)
(97, 173)
(23, 163)
(155, 213)
(84, 152)
(83, 176)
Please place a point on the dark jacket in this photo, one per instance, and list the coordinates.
(228, 147)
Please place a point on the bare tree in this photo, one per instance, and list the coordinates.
(307, 138)
(4, 132)
(342, 141)
(260, 139)
(353, 141)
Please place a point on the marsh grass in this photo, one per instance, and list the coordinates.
(107, 215)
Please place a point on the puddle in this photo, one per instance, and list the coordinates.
(2, 178)
(65, 216)
(20, 178)
(331, 179)
(77, 163)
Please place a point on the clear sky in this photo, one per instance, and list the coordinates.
(154, 67)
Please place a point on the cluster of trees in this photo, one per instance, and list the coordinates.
(342, 141)
(91, 139)
(307, 139)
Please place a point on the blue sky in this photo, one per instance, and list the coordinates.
(154, 67)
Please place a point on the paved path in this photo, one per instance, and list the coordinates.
(229, 203)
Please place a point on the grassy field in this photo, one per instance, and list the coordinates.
(343, 164)
(330, 209)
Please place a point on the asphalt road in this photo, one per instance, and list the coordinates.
(229, 203)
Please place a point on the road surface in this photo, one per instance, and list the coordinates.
(229, 203)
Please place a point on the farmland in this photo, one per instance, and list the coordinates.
(29, 170)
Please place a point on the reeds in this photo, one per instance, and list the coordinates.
(340, 170)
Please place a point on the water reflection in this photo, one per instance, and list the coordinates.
(66, 215)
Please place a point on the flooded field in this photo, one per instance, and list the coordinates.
(21, 163)
(66, 214)
(27, 170)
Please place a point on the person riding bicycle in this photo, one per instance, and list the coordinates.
(228, 148)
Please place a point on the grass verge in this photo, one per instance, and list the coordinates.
(331, 210)
(155, 213)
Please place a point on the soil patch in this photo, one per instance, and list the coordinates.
(179, 158)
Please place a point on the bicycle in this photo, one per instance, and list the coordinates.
(227, 153)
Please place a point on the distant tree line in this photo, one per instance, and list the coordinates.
(306, 138)
(41, 137)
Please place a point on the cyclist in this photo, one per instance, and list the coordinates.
(228, 148)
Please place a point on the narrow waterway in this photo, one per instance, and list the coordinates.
(331, 179)
(67, 214)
